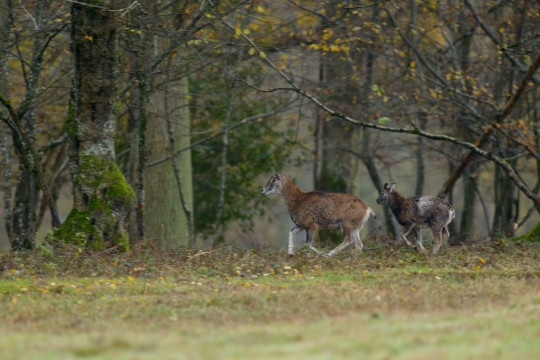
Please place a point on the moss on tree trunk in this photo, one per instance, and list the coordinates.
(103, 200)
(532, 235)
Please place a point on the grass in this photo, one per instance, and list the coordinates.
(389, 303)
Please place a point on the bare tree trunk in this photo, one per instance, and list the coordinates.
(26, 199)
(6, 182)
(377, 182)
(142, 155)
(320, 115)
(141, 50)
(223, 183)
(419, 153)
(468, 211)
(168, 185)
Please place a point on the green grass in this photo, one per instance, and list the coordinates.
(465, 303)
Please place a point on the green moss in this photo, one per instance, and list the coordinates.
(532, 235)
(103, 200)
(95, 172)
(78, 228)
(121, 238)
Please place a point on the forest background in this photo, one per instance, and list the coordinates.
(123, 120)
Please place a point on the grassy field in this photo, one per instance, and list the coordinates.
(388, 303)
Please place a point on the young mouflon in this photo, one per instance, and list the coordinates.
(316, 210)
(418, 212)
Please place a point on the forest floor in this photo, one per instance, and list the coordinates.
(388, 303)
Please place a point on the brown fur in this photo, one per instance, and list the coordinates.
(418, 212)
(316, 210)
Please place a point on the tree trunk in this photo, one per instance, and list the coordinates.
(377, 183)
(419, 153)
(5, 163)
(467, 214)
(102, 197)
(168, 186)
(23, 221)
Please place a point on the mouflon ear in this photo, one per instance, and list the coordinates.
(385, 185)
(391, 186)
(281, 177)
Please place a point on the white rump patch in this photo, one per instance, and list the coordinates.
(451, 215)
(423, 204)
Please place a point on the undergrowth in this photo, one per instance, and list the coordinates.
(145, 260)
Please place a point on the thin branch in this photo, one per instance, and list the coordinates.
(30, 16)
(53, 144)
(18, 57)
(124, 11)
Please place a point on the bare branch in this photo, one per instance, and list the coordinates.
(36, 27)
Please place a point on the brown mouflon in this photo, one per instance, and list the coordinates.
(316, 210)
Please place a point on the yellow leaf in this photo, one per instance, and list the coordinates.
(14, 300)
(413, 63)
(481, 260)
(246, 31)
(262, 54)
(478, 267)
(365, 271)
(89, 37)
(237, 32)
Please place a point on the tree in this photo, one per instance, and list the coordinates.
(21, 120)
(102, 197)
(169, 212)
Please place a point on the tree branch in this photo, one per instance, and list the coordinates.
(28, 156)
(416, 131)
